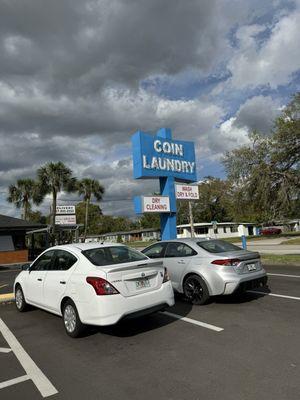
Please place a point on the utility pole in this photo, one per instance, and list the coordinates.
(191, 219)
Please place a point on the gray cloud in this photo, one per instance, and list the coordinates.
(258, 113)
(71, 82)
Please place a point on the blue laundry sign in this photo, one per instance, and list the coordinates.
(156, 156)
(162, 157)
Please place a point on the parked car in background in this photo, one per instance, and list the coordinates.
(201, 268)
(270, 231)
(94, 284)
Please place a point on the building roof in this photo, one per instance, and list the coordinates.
(218, 224)
(136, 231)
(10, 223)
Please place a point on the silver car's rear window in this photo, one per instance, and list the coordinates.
(218, 246)
(113, 255)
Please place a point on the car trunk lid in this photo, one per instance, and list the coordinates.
(249, 260)
(135, 278)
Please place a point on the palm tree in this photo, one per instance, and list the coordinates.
(53, 178)
(89, 188)
(25, 192)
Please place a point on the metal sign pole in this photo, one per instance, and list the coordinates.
(168, 224)
(191, 219)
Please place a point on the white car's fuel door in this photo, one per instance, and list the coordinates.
(178, 255)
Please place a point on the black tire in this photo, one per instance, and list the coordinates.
(21, 304)
(195, 290)
(73, 326)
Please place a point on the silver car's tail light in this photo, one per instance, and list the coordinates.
(101, 286)
(229, 261)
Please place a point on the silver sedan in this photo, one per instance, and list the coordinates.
(200, 268)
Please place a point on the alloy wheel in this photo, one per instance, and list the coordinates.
(19, 298)
(193, 289)
(70, 318)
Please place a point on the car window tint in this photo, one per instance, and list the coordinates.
(113, 255)
(43, 263)
(63, 260)
(179, 250)
(218, 246)
(155, 251)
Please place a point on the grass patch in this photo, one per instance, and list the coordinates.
(281, 259)
(140, 243)
(232, 239)
(292, 241)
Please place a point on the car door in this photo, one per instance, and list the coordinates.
(57, 278)
(177, 258)
(35, 279)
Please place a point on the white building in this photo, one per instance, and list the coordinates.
(222, 229)
(130, 236)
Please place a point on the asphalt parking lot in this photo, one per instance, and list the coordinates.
(254, 352)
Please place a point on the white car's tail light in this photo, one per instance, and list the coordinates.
(166, 276)
(228, 261)
(101, 286)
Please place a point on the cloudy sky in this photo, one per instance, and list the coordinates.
(77, 78)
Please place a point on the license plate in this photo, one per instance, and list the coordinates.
(251, 267)
(142, 283)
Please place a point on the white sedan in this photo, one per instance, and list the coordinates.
(94, 284)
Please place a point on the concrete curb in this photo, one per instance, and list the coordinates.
(7, 298)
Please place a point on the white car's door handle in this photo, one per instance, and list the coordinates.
(181, 262)
(39, 279)
(63, 282)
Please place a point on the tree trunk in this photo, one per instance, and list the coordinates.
(87, 203)
(26, 210)
(54, 198)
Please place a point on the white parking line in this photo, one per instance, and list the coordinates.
(2, 286)
(14, 381)
(194, 321)
(5, 350)
(288, 276)
(274, 295)
(32, 370)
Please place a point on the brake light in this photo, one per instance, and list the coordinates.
(166, 276)
(228, 261)
(101, 286)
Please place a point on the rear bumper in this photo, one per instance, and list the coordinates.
(146, 311)
(253, 284)
(241, 285)
(108, 310)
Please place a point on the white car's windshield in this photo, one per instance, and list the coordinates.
(113, 255)
(218, 246)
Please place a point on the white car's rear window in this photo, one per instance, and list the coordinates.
(113, 255)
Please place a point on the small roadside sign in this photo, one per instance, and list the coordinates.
(152, 204)
(63, 210)
(65, 220)
(187, 192)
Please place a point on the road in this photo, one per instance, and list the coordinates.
(272, 246)
(7, 277)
